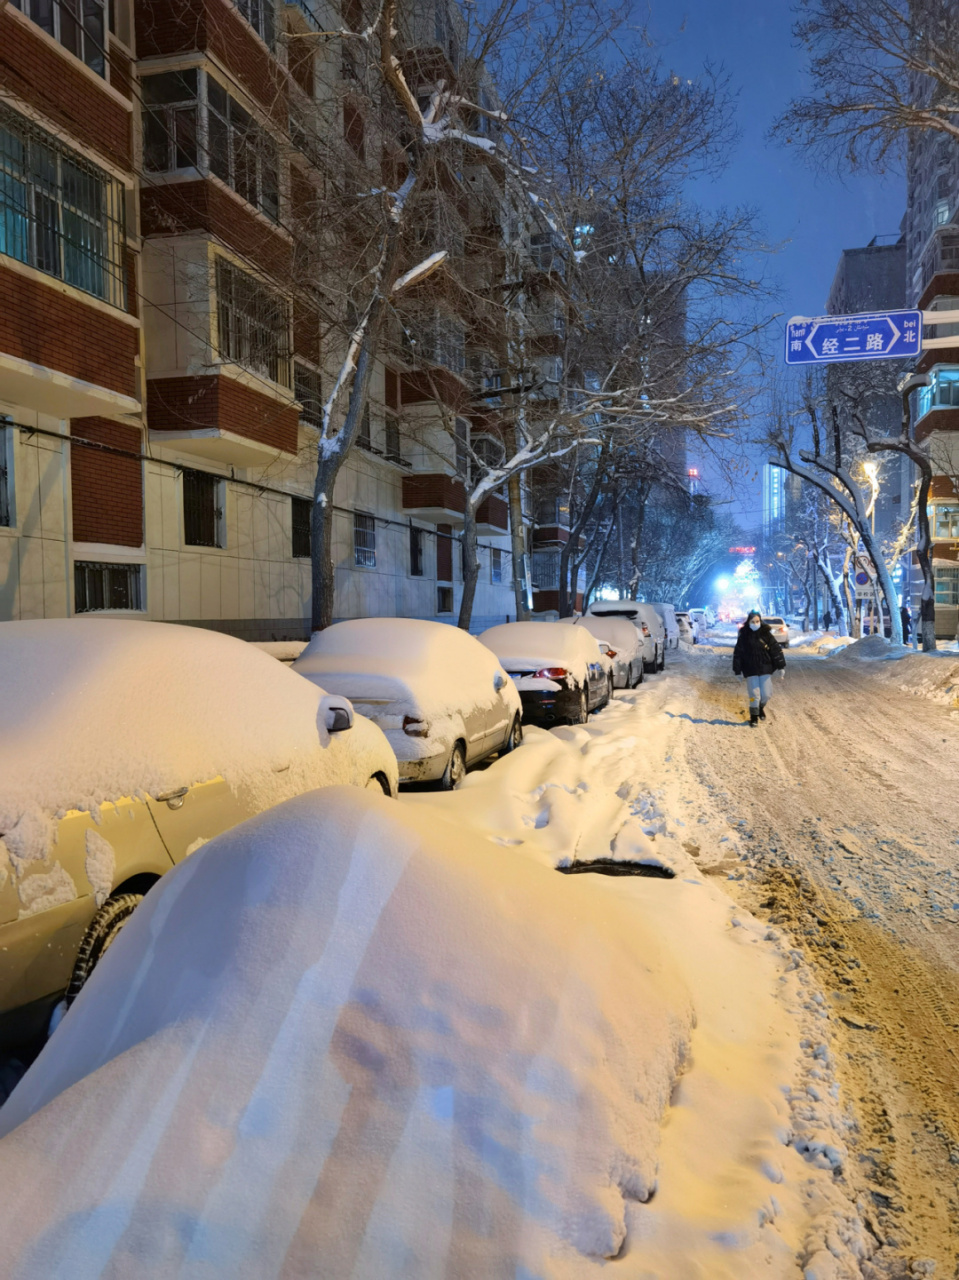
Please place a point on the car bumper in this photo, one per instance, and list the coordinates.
(546, 707)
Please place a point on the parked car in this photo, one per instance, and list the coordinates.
(688, 630)
(779, 629)
(646, 621)
(560, 672)
(622, 644)
(668, 615)
(702, 621)
(440, 697)
(125, 746)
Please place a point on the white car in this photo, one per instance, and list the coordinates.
(779, 629)
(688, 631)
(623, 646)
(560, 671)
(700, 618)
(646, 621)
(668, 615)
(124, 746)
(440, 696)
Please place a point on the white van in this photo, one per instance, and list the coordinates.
(646, 621)
(668, 615)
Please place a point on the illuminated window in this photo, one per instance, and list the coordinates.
(946, 521)
(947, 586)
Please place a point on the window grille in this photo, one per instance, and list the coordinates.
(6, 487)
(495, 564)
(363, 437)
(392, 439)
(947, 586)
(461, 443)
(301, 512)
(170, 121)
(259, 14)
(241, 153)
(76, 24)
(202, 509)
(416, 552)
(99, 587)
(364, 540)
(58, 212)
(308, 390)
(252, 323)
(444, 599)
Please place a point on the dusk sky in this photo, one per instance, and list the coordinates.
(811, 215)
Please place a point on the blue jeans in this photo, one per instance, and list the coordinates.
(760, 691)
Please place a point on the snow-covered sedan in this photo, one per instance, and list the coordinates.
(123, 747)
(440, 696)
(622, 644)
(560, 671)
(779, 629)
(688, 629)
(646, 621)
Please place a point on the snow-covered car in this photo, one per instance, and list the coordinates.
(623, 646)
(701, 620)
(123, 747)
(441, 698)
(779, 629)
(561, 672)
(668, 614)
(646, 621)
(688, 629)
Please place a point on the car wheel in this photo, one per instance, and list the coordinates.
(455, 770)
(378, 783)
(642, 675)
(609, 691)
(101, 933)
(515, 737)
(582, 714)
(662, 661)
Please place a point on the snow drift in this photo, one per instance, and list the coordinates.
(348, 1039)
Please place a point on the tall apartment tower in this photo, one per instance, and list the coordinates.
(932, 283)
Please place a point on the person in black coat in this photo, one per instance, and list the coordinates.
(756, 656)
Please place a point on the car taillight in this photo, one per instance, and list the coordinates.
(645, 631)
(610, 653)
(551, 673)
(414, 727)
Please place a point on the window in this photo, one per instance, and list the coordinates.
(202, 509)
(488, 451)
(495, 565)
(6, 472)
(98, 587)
(59, 213)
(179, 106)
(259, 14)
(301, 513)
(416, 552)
(76, 24)
(354, 130)
(461, 436)
(364, 439)
(940, 213)
(444, 599)
(252, 325)
(170, 121)
(364, 540)
(308, 390)
(943, 391)
(392, 439)
(946, 521)
(947, 586)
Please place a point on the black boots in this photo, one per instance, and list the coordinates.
(762, 711)
(753, 719)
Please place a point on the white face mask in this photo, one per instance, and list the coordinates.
(754, 625)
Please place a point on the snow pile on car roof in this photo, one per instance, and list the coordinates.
(527, 646)
(92, 709)
(347, 1039)
(620, 633)
(434, 665)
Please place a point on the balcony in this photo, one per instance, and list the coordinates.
(441, 499)
(492, 516)
(939, 268)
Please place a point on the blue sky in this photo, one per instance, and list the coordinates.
(811, 215)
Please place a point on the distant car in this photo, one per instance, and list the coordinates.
(668, 615)
(701, 621)
(125, 746)
(624, 646)
(779, 629)
(688, 631)
(560, 672)
(646, 621)
(440, 697)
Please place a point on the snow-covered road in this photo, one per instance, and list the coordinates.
(846, 813)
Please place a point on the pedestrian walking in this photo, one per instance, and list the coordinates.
(906, 619)
(756, 656)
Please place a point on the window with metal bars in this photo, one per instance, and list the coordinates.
(76, 24)
(242, 154)
(253, 324)
(947, 586)
(59, 213)
(364, 540)
(99, 587)
(170, 121)
(308, 389)
(417, 538)
(6, 472)
(392, 439)
(259, 14)
(364, 438)
(203, 523)
(495, 564)
(301, 513)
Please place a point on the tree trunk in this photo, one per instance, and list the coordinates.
(517, 533)
(470, 545)
(885, 583)
(927, 601)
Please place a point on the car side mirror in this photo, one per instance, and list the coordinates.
(499, 681)
(336, 713)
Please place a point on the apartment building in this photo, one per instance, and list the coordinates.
(173, 318)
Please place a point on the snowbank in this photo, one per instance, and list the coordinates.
(349, 1038)
(92, 709)
(934, 676)
(528, 646)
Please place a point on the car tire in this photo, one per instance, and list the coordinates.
(662, 661)
(101, 933)
(642, 675)
(610, 686)
(514, 738)
(583, 714)
(455, 770)
(379, 783)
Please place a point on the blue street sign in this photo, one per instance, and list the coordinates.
(871, 335)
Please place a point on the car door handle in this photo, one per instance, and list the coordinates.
(173, 798)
